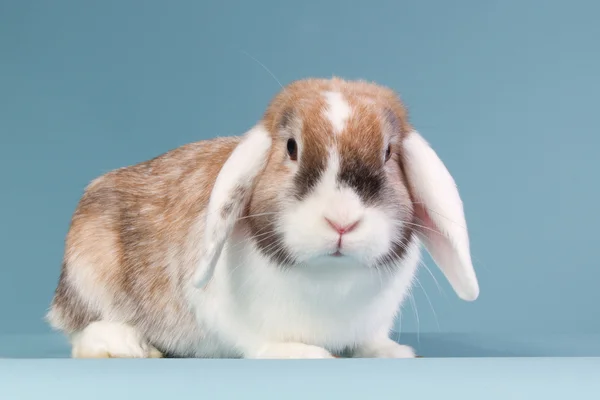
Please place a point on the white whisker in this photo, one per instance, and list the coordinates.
(265, 68)
(399, 333)
(422, 263)
(441, 215)
(437, 322)
(256, 215)
(261, 236)
(402, 223)
(414, 306)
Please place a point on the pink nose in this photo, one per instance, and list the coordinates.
(342, 228)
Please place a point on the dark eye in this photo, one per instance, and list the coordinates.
(388, 152)
(292, 149)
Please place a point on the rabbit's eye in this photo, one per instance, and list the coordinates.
(292, 149)
(388, 153)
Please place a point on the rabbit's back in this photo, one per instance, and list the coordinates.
(133, 241)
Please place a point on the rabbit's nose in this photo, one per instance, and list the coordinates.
(342, 228)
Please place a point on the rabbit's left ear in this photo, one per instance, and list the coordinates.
(231, 191)
(439, 211)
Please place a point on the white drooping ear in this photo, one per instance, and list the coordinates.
(229, 196)
(439, 209)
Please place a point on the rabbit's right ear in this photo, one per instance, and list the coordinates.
(229, 197)
(439, 209)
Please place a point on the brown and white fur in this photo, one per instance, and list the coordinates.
(299, 239)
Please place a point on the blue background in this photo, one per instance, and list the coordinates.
(506, 91)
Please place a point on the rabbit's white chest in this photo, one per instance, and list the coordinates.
(331, 304)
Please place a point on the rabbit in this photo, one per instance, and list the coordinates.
(297, 239)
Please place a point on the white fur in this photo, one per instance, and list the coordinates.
(385, 348)
(289, 350)
(254, 308)
(104, 339)
(434, 187)
(338, 110)
(306, 230)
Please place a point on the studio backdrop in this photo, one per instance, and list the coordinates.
(505, 91)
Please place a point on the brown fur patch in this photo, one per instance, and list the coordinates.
(129, 227)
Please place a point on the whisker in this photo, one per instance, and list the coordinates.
(256, 215)
(235, 269)
(277, 243)
(414, 306)
(422, 263)
(246, 282)
(372, 271)
(437, 322)
(473, 257)
(260, 235)
(265, 68)
(440, 214)
(289, 258)
(378, 273)
(402, 223)
(399, 320)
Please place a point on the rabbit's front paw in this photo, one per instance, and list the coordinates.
(289, 351)
(384, 349)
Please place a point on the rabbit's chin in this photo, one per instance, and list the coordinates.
(337, 259)
(363, 247)
(325, 267)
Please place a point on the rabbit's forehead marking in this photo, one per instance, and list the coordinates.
(337, 111)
